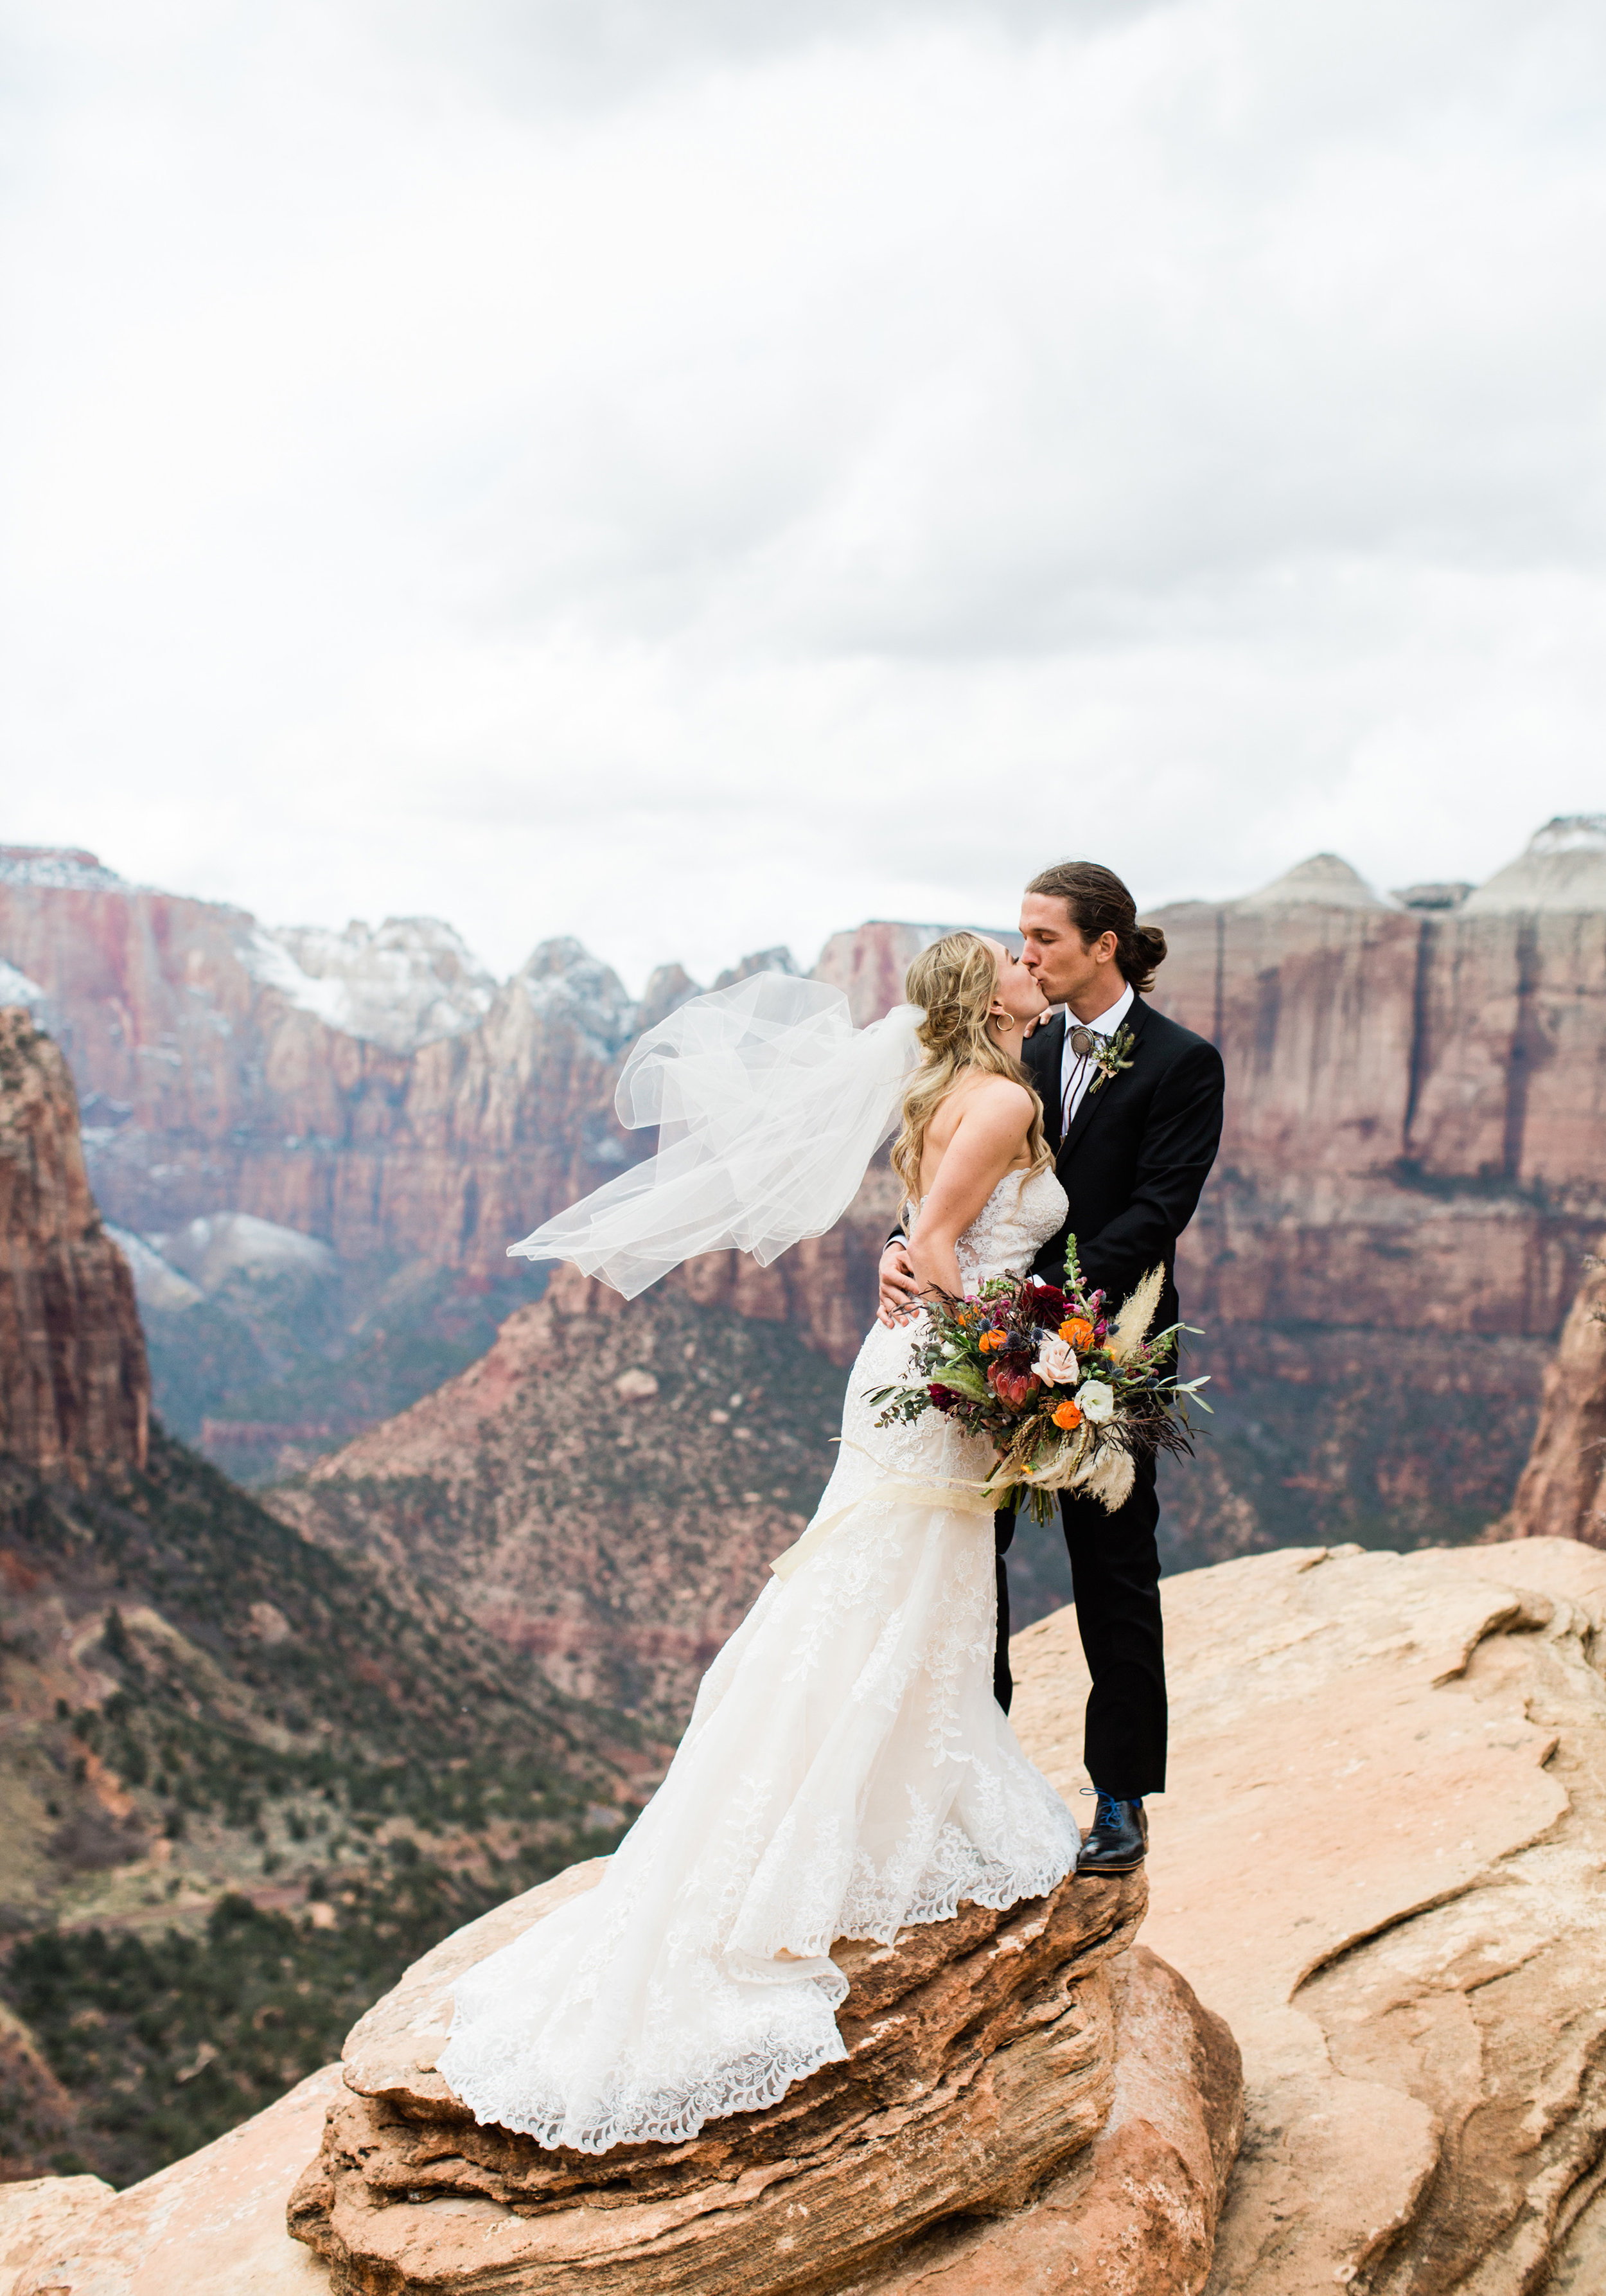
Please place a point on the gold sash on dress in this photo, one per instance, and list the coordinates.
(961, 1498)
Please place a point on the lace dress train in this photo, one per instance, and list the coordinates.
(846, 1771)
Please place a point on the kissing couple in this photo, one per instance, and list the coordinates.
(850, 1766)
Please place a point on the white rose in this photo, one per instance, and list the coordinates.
(1057, 1363)
(1097, 1399)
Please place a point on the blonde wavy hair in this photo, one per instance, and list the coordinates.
(954, 981)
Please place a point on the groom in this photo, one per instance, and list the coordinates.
(1132, 1108)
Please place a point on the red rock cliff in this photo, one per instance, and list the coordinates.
(74, 1388)
(1562, 1491)
(1415, 1143)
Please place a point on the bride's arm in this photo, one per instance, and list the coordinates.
(988, 1140)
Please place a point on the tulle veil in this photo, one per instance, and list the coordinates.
(769, 1105)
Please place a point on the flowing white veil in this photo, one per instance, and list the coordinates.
(769, 1105)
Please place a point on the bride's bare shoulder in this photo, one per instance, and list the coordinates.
(992, 1099)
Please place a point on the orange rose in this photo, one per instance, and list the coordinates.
(990, 1340)
(1069, 1415)
(1077, 1334)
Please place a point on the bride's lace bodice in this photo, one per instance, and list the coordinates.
(1017, 1219)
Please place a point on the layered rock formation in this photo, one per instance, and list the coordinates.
(1379, 1858)
(373, 1089)
(1562, 1491)
(1412, 1169)
(983, 2059)
(1102, 2061)
(391, 1098)
(74, 1387)
(604, 1489)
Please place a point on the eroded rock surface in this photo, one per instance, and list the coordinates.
(1562, 1493)
(982, 2059)
(75, 1391)
(1379, 1858)
(212, 2225)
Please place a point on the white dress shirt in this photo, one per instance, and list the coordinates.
(1076, 1070)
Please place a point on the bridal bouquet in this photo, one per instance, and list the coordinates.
(1069, 1394)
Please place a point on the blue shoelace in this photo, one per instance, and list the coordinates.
(1108, 1811)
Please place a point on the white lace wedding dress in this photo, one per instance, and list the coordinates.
(846, 1770)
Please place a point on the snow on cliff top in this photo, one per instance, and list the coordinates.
(564, 981)
(65, 868)
(402, 986)
(1564, 867)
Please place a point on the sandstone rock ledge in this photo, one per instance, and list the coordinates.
(969, 2141)
(1381, 1857)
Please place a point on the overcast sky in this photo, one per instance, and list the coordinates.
(696, 473)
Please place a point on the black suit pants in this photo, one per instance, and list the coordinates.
(1115, 1575)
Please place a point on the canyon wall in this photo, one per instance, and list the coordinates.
(1416, 1113)
(212, 1080)
(209, 1085)
(1413, 1169)
(1414, 1165)
(74, 1387)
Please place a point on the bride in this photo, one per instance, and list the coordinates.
(846, 1769)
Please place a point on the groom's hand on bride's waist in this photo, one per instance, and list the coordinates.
(900, 1286)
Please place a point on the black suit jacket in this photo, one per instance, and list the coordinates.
(1138, 1153)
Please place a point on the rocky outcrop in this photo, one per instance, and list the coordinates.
(212, 2225)
(868, 965)
(374, 1089)
(1562, 1491)
(74, 1388)
(985, 2056)
(1146, 2106)
(1380, 1858)
(1564, 867)
(604, 1489)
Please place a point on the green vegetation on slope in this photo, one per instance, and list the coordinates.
(169, 2040)
(242, 1788)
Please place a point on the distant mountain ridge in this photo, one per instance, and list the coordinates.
(1416, 1126)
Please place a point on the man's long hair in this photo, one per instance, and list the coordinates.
(1099, 902)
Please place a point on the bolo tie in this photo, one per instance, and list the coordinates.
(1082, 1042)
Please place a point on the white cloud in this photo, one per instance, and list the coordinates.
(695, 476)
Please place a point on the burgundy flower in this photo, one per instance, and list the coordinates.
(1046, 1303)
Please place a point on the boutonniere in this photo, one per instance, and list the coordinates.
(1110, 1056)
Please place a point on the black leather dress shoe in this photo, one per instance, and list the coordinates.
(1117, 1839)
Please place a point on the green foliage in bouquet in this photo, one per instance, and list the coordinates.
(1069, 1394)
